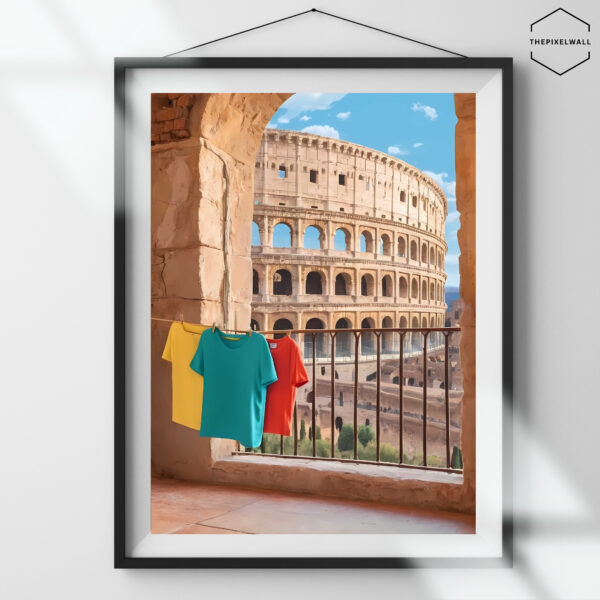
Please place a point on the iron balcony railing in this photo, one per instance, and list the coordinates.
(367, 347)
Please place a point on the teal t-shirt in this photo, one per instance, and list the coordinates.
(237, 370)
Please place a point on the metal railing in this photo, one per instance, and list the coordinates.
(434, 340)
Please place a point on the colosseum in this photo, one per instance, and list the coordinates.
(350, 237)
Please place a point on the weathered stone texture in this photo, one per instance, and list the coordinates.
(466, 206)
(397, 279)
(203, 149)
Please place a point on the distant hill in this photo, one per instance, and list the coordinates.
(451, 295)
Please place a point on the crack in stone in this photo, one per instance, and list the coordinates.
(227, 298)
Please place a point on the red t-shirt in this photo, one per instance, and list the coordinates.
(281, 394)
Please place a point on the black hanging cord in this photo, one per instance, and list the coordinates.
(316, 10)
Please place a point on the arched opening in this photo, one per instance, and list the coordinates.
(342, 284)
(367, 285)
(313, 238)
(282, 283)
(414, 250)
(424, 291)
(432, 257)
(401, 246)
(282, 236)
(282, 325)
(415, 323)
(414, 289)
(402, 287)
(314, 323)
(367, 338)
(424, 322)
(387, 338)
(387, 286)
(282, 171)
(385, 245)
(342, 240)
(255, 234)
(254, 325)
(403, 322)
(424, 253)
(432, 294)
(366, 242)
(314, 283)
(402, 196)
(343, 340)
(254, 281)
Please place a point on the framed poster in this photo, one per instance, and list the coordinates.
(339, 228)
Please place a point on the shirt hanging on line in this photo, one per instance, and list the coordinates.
(281, 395)
(187, 385)
(237, 370)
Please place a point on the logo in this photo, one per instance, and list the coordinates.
(560, 41)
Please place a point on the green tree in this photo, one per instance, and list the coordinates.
(346, 438)
(456, 460)
(365, 434)
(302, 429)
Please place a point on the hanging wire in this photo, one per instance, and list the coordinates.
(327, 14)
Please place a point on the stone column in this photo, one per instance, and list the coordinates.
(466, 205)
(297, 148)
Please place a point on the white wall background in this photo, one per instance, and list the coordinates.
(56, 150)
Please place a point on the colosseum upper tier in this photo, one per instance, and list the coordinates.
(359, 237)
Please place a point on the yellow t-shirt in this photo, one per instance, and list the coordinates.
(180, 348)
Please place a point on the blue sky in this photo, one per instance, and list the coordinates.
(417, 128)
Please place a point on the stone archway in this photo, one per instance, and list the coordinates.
(203, 152)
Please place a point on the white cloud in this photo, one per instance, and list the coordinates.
(451, 259)
(397, 151)
(417, 144)
(283, 120)
(299, 103)
(343, 115)
(326, 130)
(429, 112)
(452, 216)
(448, 187)
(272, 126)
(305, 118)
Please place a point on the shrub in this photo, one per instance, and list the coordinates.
(365, 434)
(323, 448)
(387, 453)
(346, 438)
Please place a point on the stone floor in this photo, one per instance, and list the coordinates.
(188, 507)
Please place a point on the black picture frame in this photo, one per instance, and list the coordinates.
(121, 66)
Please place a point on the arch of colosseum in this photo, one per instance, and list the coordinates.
(349, 237)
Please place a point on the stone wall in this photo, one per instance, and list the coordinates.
(466, 205)
(170, 117)
(395, 278)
